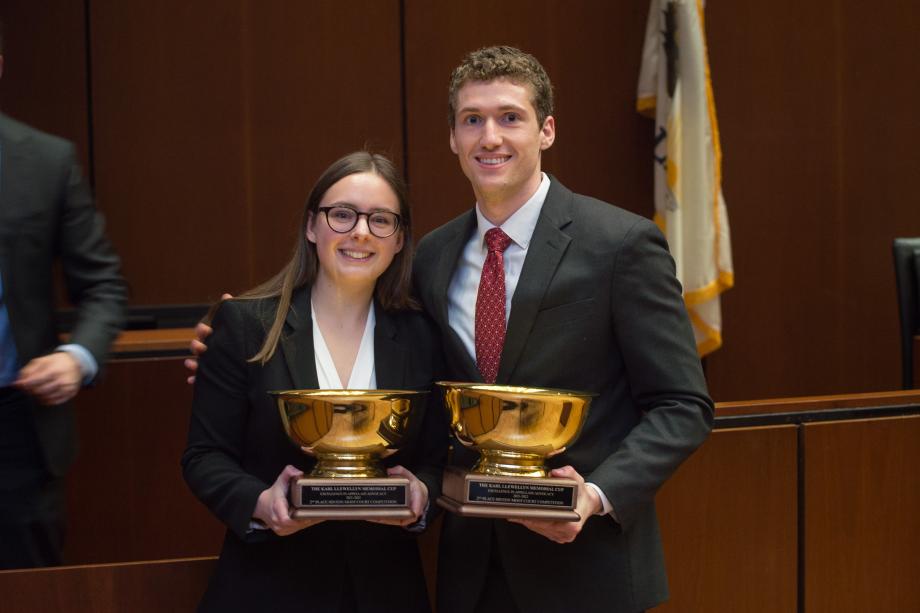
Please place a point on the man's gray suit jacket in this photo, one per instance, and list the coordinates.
(47, 213)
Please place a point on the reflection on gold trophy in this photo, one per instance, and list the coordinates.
(350, 432)
(514, 429)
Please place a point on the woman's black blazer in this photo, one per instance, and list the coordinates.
(237, 448)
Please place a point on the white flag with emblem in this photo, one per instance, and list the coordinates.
(675, 89)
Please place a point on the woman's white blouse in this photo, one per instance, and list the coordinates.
(363, 373)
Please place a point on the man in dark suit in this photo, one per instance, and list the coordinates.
(591, 303)
(46, 212)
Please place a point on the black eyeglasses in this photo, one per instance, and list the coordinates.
(342, 219)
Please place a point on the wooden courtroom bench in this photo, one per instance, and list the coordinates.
(136, 587)
(798, 504)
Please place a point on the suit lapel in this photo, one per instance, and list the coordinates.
(15, 179)
(389, 355)
(297, 342)
(450, 255)
(7, 168)
(547, 247)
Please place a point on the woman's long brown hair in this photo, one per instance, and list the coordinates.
(394, 285)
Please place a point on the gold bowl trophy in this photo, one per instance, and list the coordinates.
(515, 429)
(350, 432)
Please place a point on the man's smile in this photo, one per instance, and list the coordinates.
(492, 159)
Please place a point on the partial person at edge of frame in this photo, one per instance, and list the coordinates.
(47, 213)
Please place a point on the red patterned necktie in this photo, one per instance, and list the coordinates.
(490, 306)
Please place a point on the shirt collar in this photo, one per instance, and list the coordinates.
(520, 226)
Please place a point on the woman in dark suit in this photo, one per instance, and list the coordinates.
(339, 315)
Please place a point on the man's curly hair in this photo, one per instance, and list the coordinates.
(503, 62)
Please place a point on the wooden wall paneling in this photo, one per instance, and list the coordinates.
(728, 520)
(44, 68)
(127, 500)
(818, 141)
(861, 506)
(324, 79)
(146, 587)
(198, 131)
(774, 78)
(590, 49)
(170, 97)
(878, 133)
(229, 130)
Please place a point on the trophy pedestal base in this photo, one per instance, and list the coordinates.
(475, 495)
(350, 513)
(350, 498)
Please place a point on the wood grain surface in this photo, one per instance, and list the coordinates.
(862, 501)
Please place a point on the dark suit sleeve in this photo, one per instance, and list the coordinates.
(217, 431)
(426, 450)
(665, 376)
(434, 435)
(90, 265)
